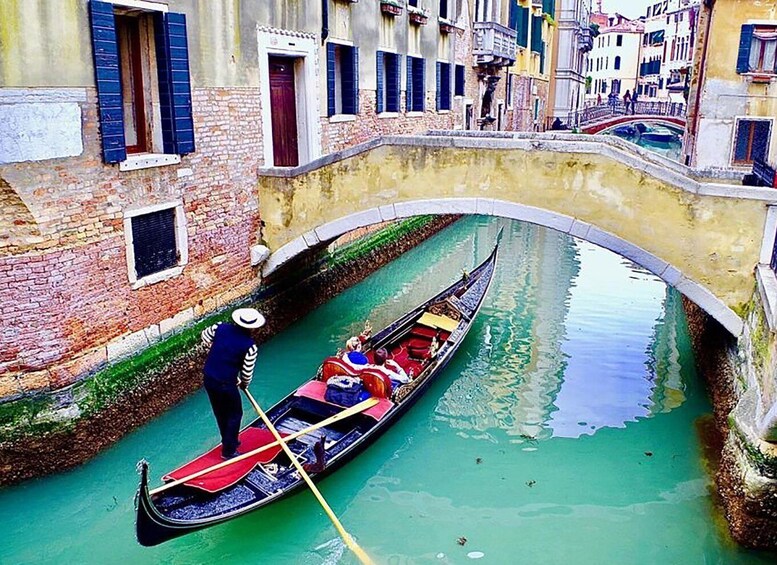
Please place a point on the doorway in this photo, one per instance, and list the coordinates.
(283, 109)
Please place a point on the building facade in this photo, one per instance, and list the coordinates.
(732, 101)
(667, 50)
(570, 62)
(131, 132)
(613, 63)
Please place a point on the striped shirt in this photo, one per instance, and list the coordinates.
(249, 361)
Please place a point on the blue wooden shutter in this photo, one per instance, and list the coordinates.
(409, 84)
(355, 72)
(349, 70)
(108, 79)
(419, 90)
(522, 27)
(379, 64)
(393, 77)
(745, 41)
(175, 90)
(439, 87)
(330, 79)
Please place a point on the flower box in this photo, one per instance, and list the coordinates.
(418, 18)
(390, 8)
(447, 26)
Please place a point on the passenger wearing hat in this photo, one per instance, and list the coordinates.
(230, 364)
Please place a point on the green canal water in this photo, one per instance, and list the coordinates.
(564, 431)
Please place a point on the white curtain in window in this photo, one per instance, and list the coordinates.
(755, 54)
(769, 55)
(763, 51)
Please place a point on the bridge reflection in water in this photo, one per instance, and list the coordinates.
(549, 364)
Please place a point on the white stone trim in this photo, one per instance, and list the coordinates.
(767, 289)
(388, 115)
(145, 5)
(340, 118)
(138, 161)
(492, 207)
(41, 95)
(770, 232)
(304, 48)
(182, 242)
(737, 119)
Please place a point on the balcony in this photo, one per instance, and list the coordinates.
(494, 44)
(585, 39)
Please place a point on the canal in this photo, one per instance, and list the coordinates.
(566, 430)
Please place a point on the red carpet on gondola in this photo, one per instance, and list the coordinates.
(220, 479)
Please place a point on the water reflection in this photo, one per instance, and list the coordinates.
(661, 138)
(570, 351)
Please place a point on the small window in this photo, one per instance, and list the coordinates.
(156, 243)
(509, 91)
(342, 78)
(444, 9)
(617, 63)
(469, 115)
(763, 48)
(387, 95)
(416, 84)
(751, 141)
(619, 40)
(458, 85)
(443, 86)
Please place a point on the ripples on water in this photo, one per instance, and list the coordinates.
(562, 432)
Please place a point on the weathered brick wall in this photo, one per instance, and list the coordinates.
(64, 287)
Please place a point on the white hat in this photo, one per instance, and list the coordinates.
(248, 318)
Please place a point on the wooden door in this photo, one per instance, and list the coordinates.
(283, 107)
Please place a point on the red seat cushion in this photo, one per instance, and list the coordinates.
(423, 331)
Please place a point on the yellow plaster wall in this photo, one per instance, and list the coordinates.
(715, 241)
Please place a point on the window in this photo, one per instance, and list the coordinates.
(156, 243)
(509, 90)
(458, 83)
(413, 3)
(342, 79)
(387, 92)
(757, 49)
(521, 23)
(468, 116)
(617, 63)
(416, 86)
(751, 141)
(443, 86)
(619, 40)
(444, 8)
(616, 86)
(141, 111)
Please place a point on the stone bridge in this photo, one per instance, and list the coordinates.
(612, 121)
(703, 239)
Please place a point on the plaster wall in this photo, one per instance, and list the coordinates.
(605, 51)
(726, 95)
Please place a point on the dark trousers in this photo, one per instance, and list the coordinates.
(228, 409)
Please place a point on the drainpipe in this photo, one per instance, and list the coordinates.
(324, 20)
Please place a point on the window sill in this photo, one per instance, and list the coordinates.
(767, 288)
(415, 114)
(158, 277)
(339, 118)
(148, 160)
(386, 115)
(760, 78)
(443, 111)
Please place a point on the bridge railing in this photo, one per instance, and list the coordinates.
(601, 112)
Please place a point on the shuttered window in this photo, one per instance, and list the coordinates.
(154, 242)
(443, 86)
(388, 82)
(342, 79)
(751, 141)
(521, 19)
(126, 87)
(416, 87)
(757, 50)
(458, 83)
(536, 34)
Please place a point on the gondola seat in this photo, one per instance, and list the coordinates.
(376, 383)
(334, 366)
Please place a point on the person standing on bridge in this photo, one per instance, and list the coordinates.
(633, 103)
(229, 367)
(626, 102)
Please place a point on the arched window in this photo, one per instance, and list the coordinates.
(617, 63)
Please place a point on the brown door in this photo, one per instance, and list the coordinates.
(284, 112)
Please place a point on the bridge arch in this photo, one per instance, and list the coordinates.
(615, 121)
(703, 239)
(671, 275)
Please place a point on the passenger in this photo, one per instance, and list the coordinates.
(353, 356)
(390, 367)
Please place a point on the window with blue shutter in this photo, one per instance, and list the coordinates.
(342, 79)
(392, 82)
(380, 78)
(122, 94)
(443, 86)
(416, 89)
(752, 141)
(106, 69)
(522, 26)
(458, 83)
(536, 34)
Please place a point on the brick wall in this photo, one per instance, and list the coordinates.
(65, 295)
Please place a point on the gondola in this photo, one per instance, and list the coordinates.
(422, 341)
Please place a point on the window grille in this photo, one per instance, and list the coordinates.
(154, 242)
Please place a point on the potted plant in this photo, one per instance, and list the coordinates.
(417, 15)
(391, 7)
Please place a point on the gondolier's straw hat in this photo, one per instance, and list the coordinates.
(248, 318)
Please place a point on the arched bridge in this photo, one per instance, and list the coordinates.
(703, 239)
(613, 121)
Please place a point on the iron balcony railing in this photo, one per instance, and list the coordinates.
(495, 44)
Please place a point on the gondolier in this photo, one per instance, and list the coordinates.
(229, 366)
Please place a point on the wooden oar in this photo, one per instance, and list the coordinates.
(349, 541)
(355, 409)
